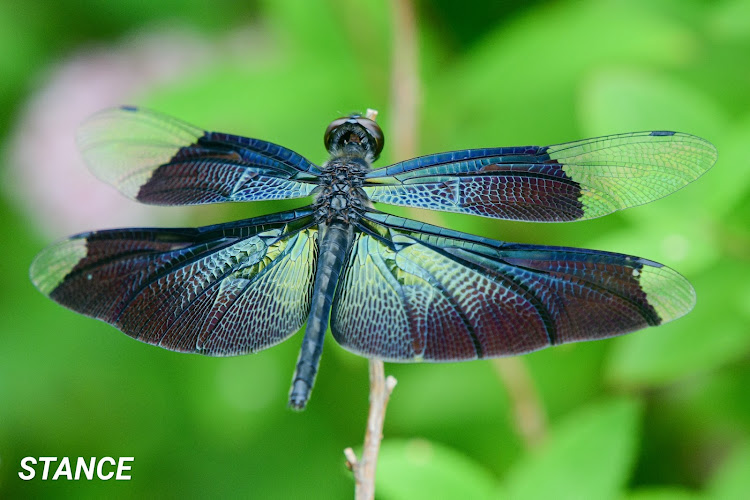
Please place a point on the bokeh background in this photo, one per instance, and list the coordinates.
(660, 414)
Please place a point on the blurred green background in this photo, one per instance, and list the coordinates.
(660, 414)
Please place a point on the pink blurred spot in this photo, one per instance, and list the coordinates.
(48, 178)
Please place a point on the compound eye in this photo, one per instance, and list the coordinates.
(372, 129)
(328, 137)
(375, 132)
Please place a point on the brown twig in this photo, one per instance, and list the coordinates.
(364, 468)
(405, 102)
(380, 391)
(528, 415)
(405, 88)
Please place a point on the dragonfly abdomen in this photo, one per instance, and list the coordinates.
(334, 247)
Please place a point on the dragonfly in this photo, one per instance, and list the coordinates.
(390, 288)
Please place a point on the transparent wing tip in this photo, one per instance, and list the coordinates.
(667, 291)
(54, 263)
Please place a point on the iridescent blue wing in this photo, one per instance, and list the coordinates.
(218, 290)
(415, 292)
(566, 182)
(156, 159)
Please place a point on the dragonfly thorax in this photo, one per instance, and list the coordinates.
(339, 194)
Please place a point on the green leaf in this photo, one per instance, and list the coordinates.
(459, 404)
(732, 480)
(350, 41)
(622, 99)
(713, 334)
(731, 21)
(581, 364)
(421, 469)
(589, 455)
(614, 99)
(528, 68)
(663, 493)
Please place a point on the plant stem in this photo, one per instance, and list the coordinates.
(528, 415)
(364, 469)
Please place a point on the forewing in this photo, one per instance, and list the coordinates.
(565, 182)
(156, 159)
(413, 292)
(219, 290)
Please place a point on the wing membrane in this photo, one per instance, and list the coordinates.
(578, 180)
(413, 292)
(219, 290)
(156, 159)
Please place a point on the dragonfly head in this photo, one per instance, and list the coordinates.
(354, 129)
